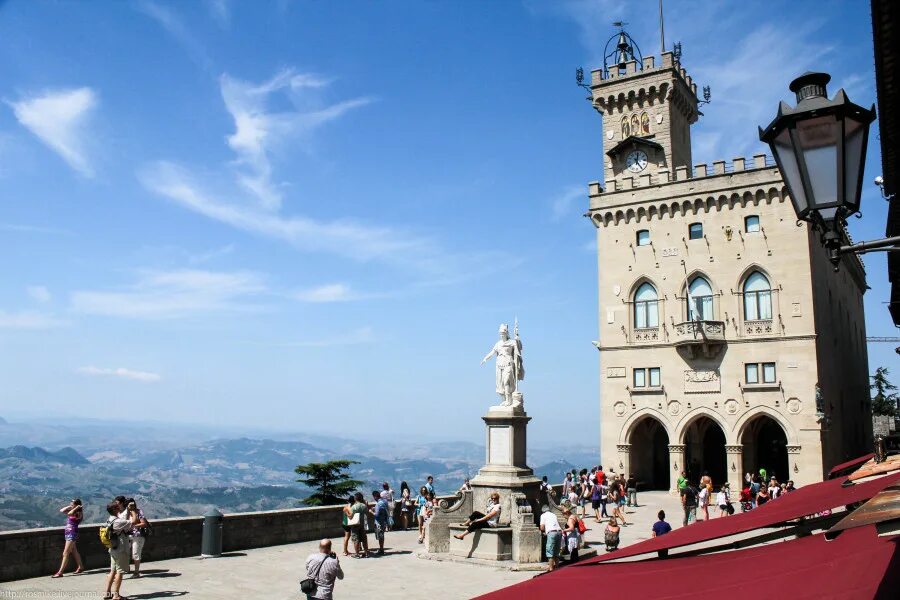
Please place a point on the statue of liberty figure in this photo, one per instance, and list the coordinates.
(510, 369)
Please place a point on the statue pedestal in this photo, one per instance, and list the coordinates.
(506, 473)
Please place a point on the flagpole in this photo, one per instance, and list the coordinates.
(662, 29)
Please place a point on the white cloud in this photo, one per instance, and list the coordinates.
(258, 131)
(335, 292)
(340, 237)
(121, 373)
(174, 294)
(564, 202)
(28, 320)
(59, 119)
(175, 26)
(220, 11)
(39, 293)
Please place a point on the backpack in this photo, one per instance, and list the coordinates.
(108, 536)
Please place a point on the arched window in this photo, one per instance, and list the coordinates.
(699, 300)
(646, 307)
(757, 297)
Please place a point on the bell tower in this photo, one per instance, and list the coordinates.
(647, 109)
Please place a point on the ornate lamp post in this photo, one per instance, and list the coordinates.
(820, 148)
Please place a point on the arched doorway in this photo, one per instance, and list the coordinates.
(765, 447)
(704, 451)
(649, 454)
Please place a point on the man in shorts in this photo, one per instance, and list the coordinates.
(380, 516)
(119, 554)
(550, 527)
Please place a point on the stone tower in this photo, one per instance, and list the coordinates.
(727, 342)
(647, 113)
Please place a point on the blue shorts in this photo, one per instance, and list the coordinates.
(554, 539)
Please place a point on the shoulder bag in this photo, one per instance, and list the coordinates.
(309, 586)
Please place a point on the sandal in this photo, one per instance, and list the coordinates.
(55, 575)
(78, 570)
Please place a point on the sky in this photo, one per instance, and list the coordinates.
(314, 216)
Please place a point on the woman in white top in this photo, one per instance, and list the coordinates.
(477, 520)
(703, 498)
(723, 500)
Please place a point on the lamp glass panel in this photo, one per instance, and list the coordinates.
(854, 155)
(819, 139)
(784, 153)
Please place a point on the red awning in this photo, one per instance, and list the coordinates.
(856, 565)
(846, 467)
(808, 500)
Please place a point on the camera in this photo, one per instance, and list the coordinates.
(333, 555)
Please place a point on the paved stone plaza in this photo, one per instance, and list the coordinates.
(275, 572)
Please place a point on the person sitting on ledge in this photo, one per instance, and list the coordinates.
(479, 520)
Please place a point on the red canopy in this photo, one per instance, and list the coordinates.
(808, 500)
(857, 564)
(846, 467)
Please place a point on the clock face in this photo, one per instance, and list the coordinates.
(636, 161)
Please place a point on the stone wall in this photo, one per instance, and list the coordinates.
(37, 552)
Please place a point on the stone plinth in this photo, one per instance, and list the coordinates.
(490, 543)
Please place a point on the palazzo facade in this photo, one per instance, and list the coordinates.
(728, 343)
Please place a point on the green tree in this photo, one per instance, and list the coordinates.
(331, 483)
(884, 401)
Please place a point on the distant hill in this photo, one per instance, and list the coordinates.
(65, 456)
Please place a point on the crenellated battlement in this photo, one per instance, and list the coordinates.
(699, 171)
(600, 78)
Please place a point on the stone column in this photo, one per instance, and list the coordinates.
(795, 467)
(676, 462)
(623, 461)
(734, 458)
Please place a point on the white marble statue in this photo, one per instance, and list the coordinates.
(509, 367)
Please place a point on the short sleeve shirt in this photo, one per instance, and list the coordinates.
(549, 522)
(690, 495)
(661, 528)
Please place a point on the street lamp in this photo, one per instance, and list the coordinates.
(820, 148)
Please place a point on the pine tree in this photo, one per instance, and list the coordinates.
(884, 402)
(329, 480)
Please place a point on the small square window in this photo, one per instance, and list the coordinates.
(640, 378)
(751, 224)
(695, 231)
(643, 237)
(768, 372)
(654, 377)
(751, 372)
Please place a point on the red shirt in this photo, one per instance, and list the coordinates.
(601, 477)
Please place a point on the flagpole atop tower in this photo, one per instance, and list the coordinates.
(662, 29)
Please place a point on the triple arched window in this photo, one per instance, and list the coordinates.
(757, 297)
(699, 300)
(646, 307)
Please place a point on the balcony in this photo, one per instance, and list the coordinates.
(700, 337)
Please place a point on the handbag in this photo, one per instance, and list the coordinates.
(354, 520)
(309, 586)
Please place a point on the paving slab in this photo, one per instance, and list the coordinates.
(275, 572)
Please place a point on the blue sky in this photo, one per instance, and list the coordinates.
(314, 216)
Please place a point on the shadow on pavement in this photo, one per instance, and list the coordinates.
(155, 595)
